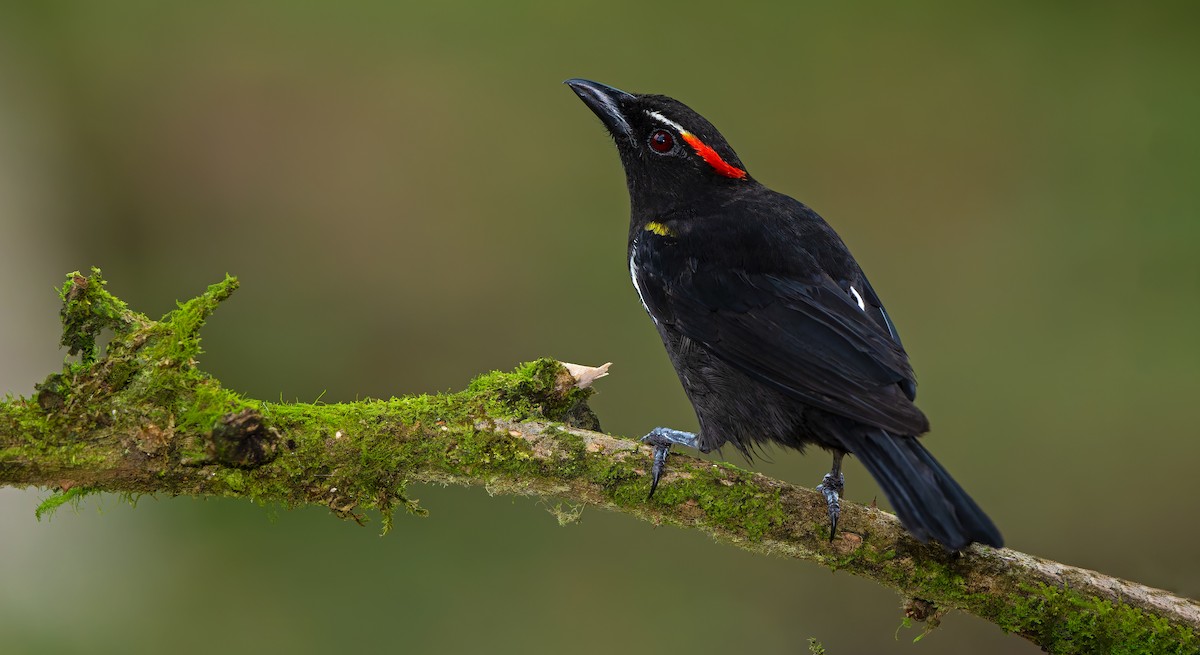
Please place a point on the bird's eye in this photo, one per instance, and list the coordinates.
(662, 142)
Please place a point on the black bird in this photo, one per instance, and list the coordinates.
(773, 329)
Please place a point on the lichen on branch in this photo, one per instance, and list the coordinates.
(143, 418)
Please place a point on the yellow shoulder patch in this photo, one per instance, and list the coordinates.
(660, 229)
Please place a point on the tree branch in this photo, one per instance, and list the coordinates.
(144, 419)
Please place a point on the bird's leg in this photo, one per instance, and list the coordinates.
(832, 485)
(661, 439)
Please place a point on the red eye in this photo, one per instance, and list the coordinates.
(662, 141)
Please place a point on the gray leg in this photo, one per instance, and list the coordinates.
(661, 439)
(832, 485)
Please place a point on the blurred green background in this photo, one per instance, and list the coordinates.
(410, 197)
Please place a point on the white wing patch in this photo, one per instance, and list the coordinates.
(857, 298)
(891, 328)
(637, 287)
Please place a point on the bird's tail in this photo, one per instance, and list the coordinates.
(928, 501)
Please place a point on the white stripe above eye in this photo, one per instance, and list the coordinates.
(653, 114)
(861, 305)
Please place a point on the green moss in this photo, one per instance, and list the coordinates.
(205, 405)
(1065, 621)
(575, 462)
(379, 440)
(178, 332)
(144, 399)
(567, 513)
(120, 374)
(87, 309)
(724, 498)
(233, 480)
(1060, 619)
(729, 502)
(541, 389)
(59, 498)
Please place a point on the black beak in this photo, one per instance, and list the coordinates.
(606, 102)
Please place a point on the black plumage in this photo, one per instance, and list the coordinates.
(774, 330)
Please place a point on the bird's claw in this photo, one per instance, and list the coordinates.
(662, 439)
(831, 486)
(660, 463)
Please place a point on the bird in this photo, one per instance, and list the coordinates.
(774, 330)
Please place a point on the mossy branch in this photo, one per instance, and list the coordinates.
(143, 419)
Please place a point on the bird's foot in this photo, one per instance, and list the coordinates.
(662, 439)
(832, 485)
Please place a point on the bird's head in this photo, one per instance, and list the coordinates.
(670, 153)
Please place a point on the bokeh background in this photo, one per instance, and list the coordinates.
(410, 197)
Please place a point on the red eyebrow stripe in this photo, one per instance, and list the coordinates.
(711, 157)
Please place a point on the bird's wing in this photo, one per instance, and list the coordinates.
(808, 338)
(874, 308)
